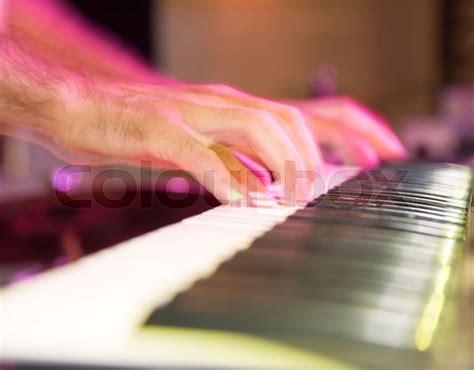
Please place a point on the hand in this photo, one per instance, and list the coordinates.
(193, 128)
(358, 135)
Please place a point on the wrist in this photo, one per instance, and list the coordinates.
(74, 107)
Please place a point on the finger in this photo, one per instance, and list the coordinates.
(290, 117)
(254, 128)
(265, 137)
(209, 170)
(353, 117)
(375, 131)
(181, 149)
(362, 153)
(257, 169)
(248, 127)
(351, 147)
(248, 180)
(301, 135)
(247, 152)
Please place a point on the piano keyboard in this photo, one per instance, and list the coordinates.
(358, 278)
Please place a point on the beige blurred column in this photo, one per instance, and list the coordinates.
(16, 158)
(386, 51)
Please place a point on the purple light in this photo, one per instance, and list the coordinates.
(64, 180)
(178, 185)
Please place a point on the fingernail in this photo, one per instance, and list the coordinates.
(368, 157)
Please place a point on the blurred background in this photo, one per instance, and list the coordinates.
(411, 60)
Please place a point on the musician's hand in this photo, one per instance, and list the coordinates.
(357, 134)
(178, 127)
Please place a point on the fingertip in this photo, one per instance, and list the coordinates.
(369, 157)
(363, 153)
(396, 149)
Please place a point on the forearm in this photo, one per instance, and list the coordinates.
(30, 89)
(81, 45)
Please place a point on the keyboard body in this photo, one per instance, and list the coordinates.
(359, 278)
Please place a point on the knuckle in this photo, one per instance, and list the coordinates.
(292, 112)
(202, 159)
(347, 102)
(294, 115)
(251, 120)
(221, 88)
(186, 148)
(222, 181)
(263, 115)
(168, 145)
(230, 114)
(340, 108)
(264, 121)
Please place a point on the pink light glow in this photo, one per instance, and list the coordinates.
(26, 273)
(64, 180)
(178, 185)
